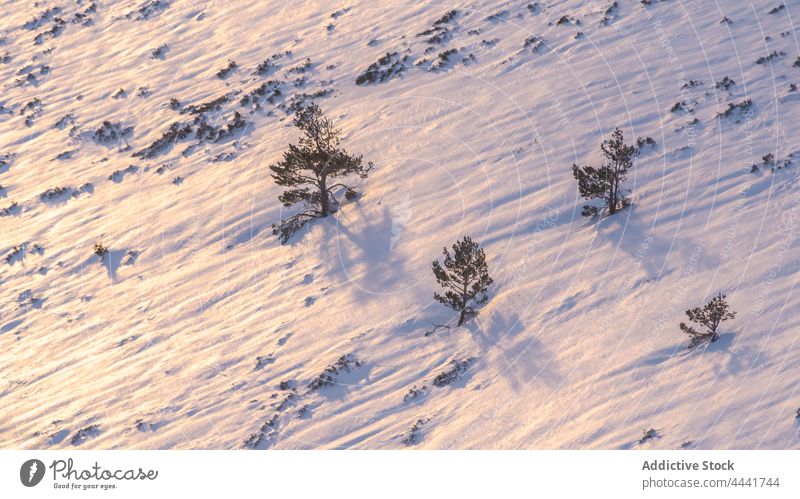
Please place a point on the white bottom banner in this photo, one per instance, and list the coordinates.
(371, 474)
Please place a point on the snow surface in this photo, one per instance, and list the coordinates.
(182, 336)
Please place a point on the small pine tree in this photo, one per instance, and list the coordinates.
(710, 317)
(606, 182)
(100, 250)
(464, 277)
(309, 169)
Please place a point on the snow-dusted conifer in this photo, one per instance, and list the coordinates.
(464, 277)
(606, 181)
(709, 316)
(311, 169)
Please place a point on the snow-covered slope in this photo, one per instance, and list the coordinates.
(202, 331)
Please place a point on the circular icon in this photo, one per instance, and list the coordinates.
(31, 472)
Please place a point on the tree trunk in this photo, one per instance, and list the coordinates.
(324, 203)
(612, 202)
(464, 298)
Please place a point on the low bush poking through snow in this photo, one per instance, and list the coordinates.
(346, 363)
(159, 52)
(737, 109)
(111, 132)
(649, 435)
(227, 70)
(414, 393)
(177, 131)
(100, 250)
(644, 142)
(84, 434)
(441, 31)
(265, 435)
(55, 194)
(387, 67)
(415, 432)
(457, 369)
(12, 209)
(724, 84)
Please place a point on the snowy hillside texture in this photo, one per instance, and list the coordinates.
(199, 329)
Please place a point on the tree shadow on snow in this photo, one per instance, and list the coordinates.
(540, 222)
(733, 360)
(112, 261)
(57, 437)
(248, 225)
(367, 256)
(627, 231)
(525, 357)
(10, 326)
(653, 359)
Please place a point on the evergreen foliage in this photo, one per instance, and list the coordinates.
(311, 168)
(709, 316)
(606, 181)
(464, 277)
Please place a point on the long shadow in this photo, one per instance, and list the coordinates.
(10, 326)
(375, 261)
(518, 196)
(759, 183)
(246, 236)
(720, 349)
(628, 231)
(112, 261)
(527, 360)
(539, 222)
(723, 344)
(247, 226)
(57, 437)
(736, 360)
(653, 359)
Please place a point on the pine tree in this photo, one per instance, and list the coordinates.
(310, 170)
(464, 277)
(710, 316)
(606, 182)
